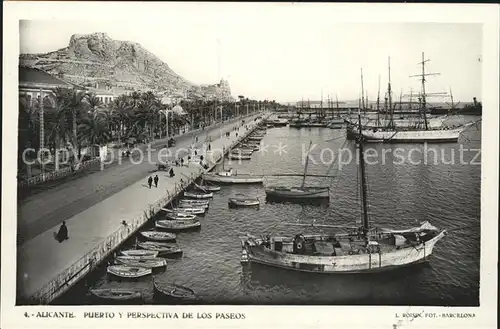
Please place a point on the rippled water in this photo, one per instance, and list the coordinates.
(399, 195)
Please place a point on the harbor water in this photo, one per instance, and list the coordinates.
(406, 184)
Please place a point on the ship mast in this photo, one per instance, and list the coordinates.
(362, 92)
(378, 102)
(389, 95)
(337, 101)
(305, 167)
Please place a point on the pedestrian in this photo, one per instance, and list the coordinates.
(172, 172)
(236, 134)
(201, 157)
(63, 233)
(156, 180)
(195, 152)
(182, 162)
(209, 147)
(150, 181)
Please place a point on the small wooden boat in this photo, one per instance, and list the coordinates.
(227, 176)
(233, 156)
(178, 225)
(173, 292)
(255, 138)
(159, 236)
(194, 202)
(116, 296)
(140, 254)
(206, 187)
(243, 201)
(182, 205)
(128, 272)
(187, 210)
(174, 216)
(243, 151)
(163, 249)
(195, 195)
(147, 263)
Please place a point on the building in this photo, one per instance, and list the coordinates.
(34, 82)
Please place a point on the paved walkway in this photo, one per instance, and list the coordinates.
(43, 258)
(41, 211)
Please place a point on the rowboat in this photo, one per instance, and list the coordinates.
(187, 210)
(163, 249)
(206, 187)
(174, 216)
(147, 263)
(195, 195)
(140, 254)
(242, 201)
(173, 292)
(129, 272)
(227, 176)
(116, 296)
(194, 202)
(178, 225)
(243, 151)
(159, 236)
(255, 138)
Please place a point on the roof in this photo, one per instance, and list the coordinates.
(100, 91)
(32, 76)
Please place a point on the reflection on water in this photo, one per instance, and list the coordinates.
(399, 196)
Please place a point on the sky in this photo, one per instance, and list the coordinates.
(285, 59)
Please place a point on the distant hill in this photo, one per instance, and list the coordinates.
(98, 58)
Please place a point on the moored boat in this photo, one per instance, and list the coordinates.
(234, 156)
(175, 216)
(305, 192)
(147, 263)
(128, 272)
(140, 254)
(158, 236)
(196, 195)
(195, 202)
(182, 205)
(178, 225)
(174, 293)
(193, 210)
(228, 176)
(117, 296)
(163, 249)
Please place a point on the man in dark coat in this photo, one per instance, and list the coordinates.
(156, 180)
(172, 172)
(150, 181)
(63, 233)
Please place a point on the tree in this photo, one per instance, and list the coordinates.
(94, 131)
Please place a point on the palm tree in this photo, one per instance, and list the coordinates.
(28, 128)
(73, 100)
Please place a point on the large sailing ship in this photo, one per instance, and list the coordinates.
(361, 249)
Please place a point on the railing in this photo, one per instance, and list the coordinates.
(54, 175)
(64, 280)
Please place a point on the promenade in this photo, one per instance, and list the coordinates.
(42, 258)
(39, 212)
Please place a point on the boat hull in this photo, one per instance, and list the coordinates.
(233, 179)
(298, 193)
(238, 203)
(198, 195)
(116, 296)
(412, 136)
(128, 272)
(163, 250)
(177, 225)
(146, 263)
(167, 293)
(158, 236)
(348, 264)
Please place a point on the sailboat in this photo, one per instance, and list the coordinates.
(361, 249)
(421, 133)
(231, 177)
(300, 192)
(338, 122)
